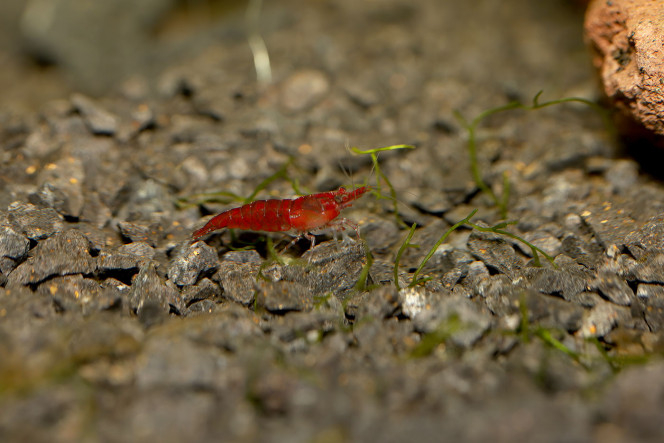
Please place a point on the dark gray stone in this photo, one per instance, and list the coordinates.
(35, 223)
(178, 363)
(551, 312)
(585, 253)
(464, 320)
(231, 327)
(243, 257)
(150, 234)
(494, 252)
(634, 402)
(562, 283)
(610, 225)
(79, 294)
(283, 296)
(650, 237)
(543, 240)
(613, 288)
(195, 260)
(652, 297)
(61, 187)
(237, 281)
(602, 318)
(63, 254)
(202, 290)
(148, 293)
(98, 120)
(129, 257)
(649, 269)
(13, 248)
(201, 307)
(379, 303)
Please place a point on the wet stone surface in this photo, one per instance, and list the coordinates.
(224, 339)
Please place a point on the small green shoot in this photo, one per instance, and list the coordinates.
(225, 197)
(380, 175)
(361, 284)
(282, 173)
(546, 336)
(402, 249)
(471, 127)
(526, 332)
(497, 229)
(432, 340)
(194, 200)
(416, 280)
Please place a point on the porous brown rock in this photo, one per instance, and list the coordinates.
(627, 37)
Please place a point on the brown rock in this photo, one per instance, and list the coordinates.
(628, 40)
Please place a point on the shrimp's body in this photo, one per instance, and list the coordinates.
(302, 215)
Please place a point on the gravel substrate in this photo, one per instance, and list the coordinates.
(116, 326)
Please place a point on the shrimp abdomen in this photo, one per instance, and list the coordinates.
(261, 215)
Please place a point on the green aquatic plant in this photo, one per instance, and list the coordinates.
(226, 197)
(380, 175)
(496, 229)
(471, 127)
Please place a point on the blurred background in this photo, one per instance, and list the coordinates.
(51, 47)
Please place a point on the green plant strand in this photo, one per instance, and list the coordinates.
(404, 245)
(380, 175)
(282, 172)
(497, 229)
(361, 284)
(440, 241)
(471, 127)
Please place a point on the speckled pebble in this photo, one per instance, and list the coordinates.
(195, 260)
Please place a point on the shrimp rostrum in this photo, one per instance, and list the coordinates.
(301, 215)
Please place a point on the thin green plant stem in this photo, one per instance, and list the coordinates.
(440, 241)
(380, 175)
(282, 172)
(361, 284)
(497, 230)
(402, 249)
(501, 202)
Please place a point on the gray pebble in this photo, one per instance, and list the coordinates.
(283, 296)
(129, 257)
(465, 321)
(555, 282)
(79, 294)
(149, 294)
(649, 269)
(98, 120)
(136, 232)
(653, 297)
(650, 237)
(610, 225)
(237, 282)
(196, 259)
(303, 89)
(613, 288)
(205, 289)
(379, 303)
(495, 252)
(13, 249)
(63, 254)
(35, 223)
